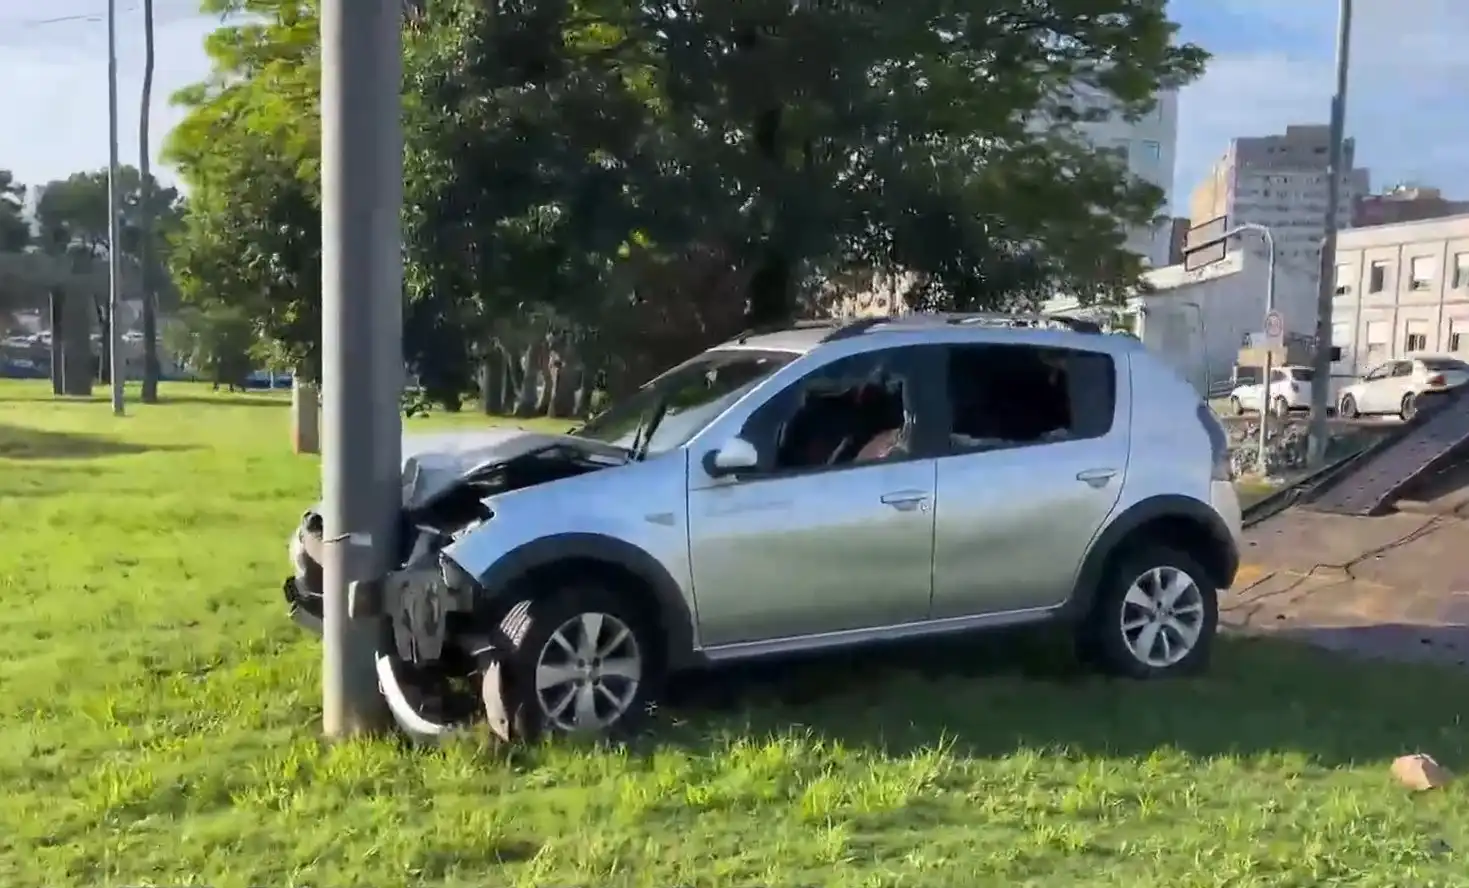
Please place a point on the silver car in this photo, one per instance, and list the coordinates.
(822, 487)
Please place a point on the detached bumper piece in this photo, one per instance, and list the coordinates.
(304, 606)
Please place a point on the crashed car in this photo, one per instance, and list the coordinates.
(809, 489)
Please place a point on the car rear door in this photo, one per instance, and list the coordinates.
(1017, 511)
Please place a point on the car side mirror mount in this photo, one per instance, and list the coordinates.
(734, 456)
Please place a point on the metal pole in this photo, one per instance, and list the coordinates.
(1321, 365)
(114, 206)
(1264, 232)
(362, 364)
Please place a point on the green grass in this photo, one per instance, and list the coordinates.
(158, 726)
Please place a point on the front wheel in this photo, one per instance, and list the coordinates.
(1348, 409)
(1282, 407)
(1236, 406)
(1155, 616)
(582, 660)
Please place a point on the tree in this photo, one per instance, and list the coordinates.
(15, 231)
(249, 149)
(219, 343)
(145, 219)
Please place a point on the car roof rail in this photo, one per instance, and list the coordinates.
(765, 329)
(855, 328)
(1004, 319)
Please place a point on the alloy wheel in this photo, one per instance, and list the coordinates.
(1162, 616)
(588, 672)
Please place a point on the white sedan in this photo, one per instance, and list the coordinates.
(1397, 386)
(1290, 390)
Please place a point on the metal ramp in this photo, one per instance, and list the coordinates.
(1370, 487)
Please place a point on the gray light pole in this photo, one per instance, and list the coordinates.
(362, 349)
(1269, 239)
(116, 364)
(1321, 364)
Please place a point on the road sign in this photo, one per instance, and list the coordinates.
(1274, 329)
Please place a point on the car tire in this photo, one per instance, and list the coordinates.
(547, 638)
(1236, 406)
(1409, 408)
(1348, 409)
(1282, 407)
(1123, 636)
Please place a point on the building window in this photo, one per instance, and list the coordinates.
(1152, 151)
(1461, 271)
(1377, 277)
(1458, 342)
(1420, 272)
(1343, 278)
(1416, 336)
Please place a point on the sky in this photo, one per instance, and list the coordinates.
(1273, 64)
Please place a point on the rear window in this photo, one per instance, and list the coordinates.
(1444, 365)
(1009, 395)
(1302, 374)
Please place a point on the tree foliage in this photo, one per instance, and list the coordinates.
(591, 182)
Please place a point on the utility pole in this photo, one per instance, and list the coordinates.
(1321, 364)
(114, 206)
(362, 347)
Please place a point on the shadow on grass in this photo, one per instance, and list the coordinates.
(992, 696)
(17, 442)
(226, 399)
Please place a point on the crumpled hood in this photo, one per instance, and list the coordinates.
(433, 462)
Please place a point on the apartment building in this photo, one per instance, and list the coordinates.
(1405, 203)
(1280, 181)
(1401, 289)
(1149, 149)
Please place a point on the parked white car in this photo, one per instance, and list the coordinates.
(1397, 387)
(1290, 390)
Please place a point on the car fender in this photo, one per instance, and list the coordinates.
(1117, 532)
(676, 615)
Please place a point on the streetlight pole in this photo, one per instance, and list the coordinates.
(1321, 363)
(1269, 239)
(362, 347)
(116, 364)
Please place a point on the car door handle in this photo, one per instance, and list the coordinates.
(1096, 477)
(907, 500)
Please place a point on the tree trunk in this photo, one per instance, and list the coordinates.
(565, 388)
(104, 360)
(530, 379)
(78, 367)
(145, 219)
(58, 339)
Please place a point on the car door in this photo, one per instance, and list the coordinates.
(1390, 391)
(1017, 512)
(1370, 394)
(802, 546)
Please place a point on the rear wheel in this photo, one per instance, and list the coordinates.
(1348, 408)
(1409, 407)
(1156, 615)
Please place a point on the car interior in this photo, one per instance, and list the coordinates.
(842, 424)
(1004, 396)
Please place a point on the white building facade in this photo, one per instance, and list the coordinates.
(1197, 320)
(1149, 147)
(1401, 290)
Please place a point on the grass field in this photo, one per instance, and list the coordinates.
(158, 727)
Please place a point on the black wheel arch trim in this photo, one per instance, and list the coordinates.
(1116, 533)
(674, 612)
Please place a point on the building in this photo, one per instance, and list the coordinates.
(1197, 320)
(1401, 289)
(1149, 148)
(1405, 203)
(1280, 181)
